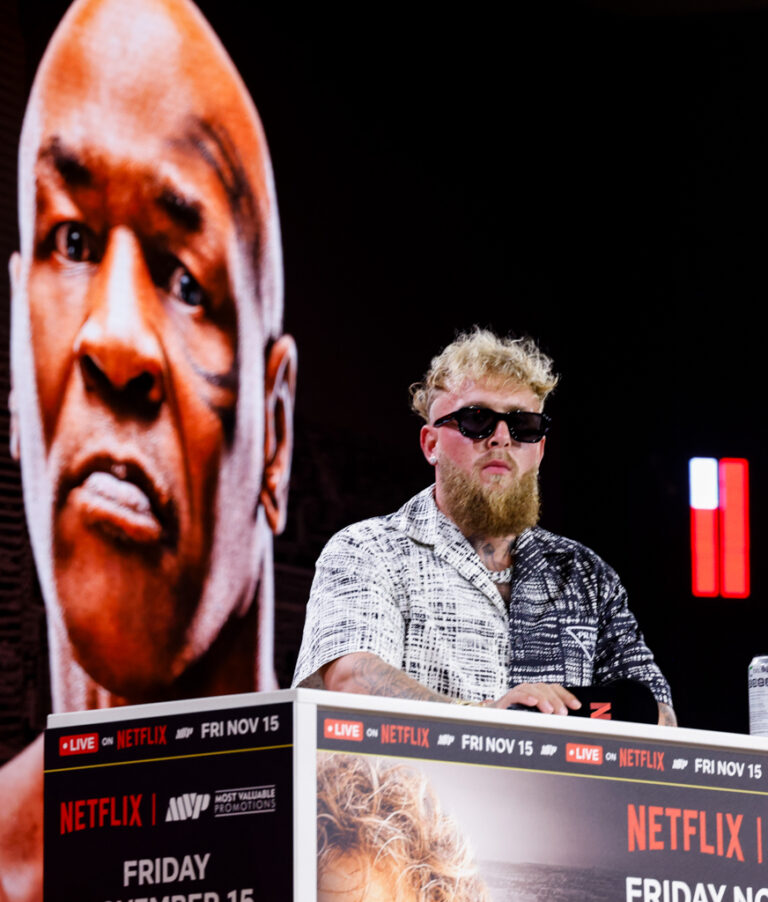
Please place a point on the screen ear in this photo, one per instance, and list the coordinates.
(14, 270)
(279, 397)
(14, 429)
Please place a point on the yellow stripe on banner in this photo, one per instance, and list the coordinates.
(556, 773)
(259, 748)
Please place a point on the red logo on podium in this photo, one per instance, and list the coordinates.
(600, 710)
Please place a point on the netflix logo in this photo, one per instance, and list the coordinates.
(132, 736)
(107, 811)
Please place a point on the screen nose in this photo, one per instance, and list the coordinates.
(117, 348)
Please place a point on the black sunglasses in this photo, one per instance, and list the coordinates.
(481, 422)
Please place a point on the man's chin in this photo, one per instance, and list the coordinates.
(133, 668)
(126, 616)
(492, 507)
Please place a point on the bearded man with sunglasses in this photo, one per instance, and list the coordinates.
(459, 595)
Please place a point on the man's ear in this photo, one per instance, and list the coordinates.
(428, 440)
(279, 396)
(14, 270)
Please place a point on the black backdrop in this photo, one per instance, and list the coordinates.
(590, 174)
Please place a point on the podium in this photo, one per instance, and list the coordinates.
(216, 799)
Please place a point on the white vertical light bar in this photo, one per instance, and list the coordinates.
(703, 481)
(704, 494)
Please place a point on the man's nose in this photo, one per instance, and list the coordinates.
(118, 350)
(500, 435)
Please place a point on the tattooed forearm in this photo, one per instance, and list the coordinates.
(313, 681)
(667, 717)
(374, 677)
(367, 674)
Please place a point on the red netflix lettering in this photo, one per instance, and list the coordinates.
(655, 828)
(154, 735)
(105, 811)
(636, 828)
(405, 735)
(652, 760)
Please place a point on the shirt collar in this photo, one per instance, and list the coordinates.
(421, 520)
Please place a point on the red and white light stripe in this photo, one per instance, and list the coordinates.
(719, 500)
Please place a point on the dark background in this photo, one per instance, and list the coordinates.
(590, 174)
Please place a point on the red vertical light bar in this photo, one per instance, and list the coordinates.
(704, 552)
(734, 527)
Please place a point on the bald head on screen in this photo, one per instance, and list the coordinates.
(152, 387)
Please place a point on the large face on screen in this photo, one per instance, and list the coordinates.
(145, 293)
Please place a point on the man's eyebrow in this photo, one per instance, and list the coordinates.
(184, 212)
(67, 163)
(214, 144)
(72, 167)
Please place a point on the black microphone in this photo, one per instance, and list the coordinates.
(620, 700)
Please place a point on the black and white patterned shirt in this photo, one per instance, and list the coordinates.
(411, 589)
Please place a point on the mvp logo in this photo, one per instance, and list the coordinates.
(81, 744)
(583, 754)
(343, 729)
(187, 807)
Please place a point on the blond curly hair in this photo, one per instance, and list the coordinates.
(389, 817)
(482, 355)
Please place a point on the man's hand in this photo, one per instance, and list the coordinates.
(549, 698)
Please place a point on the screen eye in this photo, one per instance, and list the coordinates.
(74, 242)
(186, 288)
(172, 276)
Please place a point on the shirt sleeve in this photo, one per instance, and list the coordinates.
(352, 607)
(621, 650)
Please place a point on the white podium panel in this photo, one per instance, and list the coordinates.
(216, 800)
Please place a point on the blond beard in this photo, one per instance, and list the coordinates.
(489, 510)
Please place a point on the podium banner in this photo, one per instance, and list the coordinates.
(572, 816)
(173, 807)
